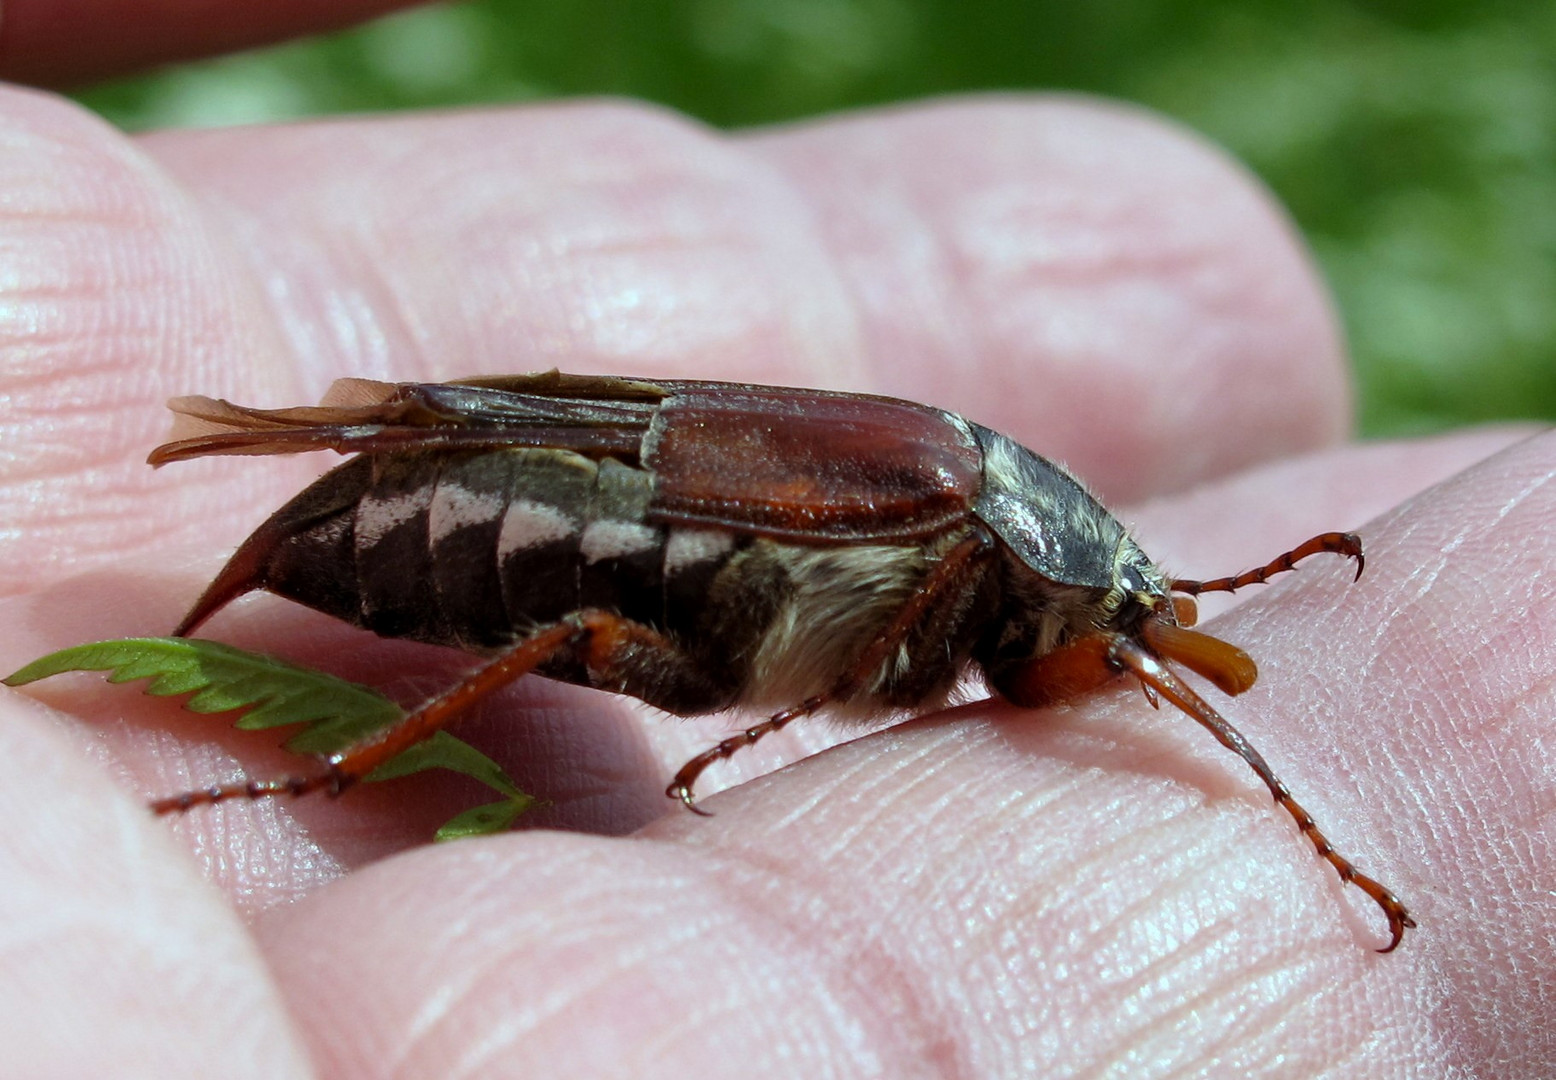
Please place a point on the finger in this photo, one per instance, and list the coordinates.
(1221, 527)
(1078, 304)
(1443, 681)
(1105, 288)
(262, 263)
(117, 293)
(1085, 872)
(66, 42)
(119, 959)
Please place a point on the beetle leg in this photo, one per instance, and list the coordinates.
(1068, 672)
(601, 640)
(945, 578)
(686, 779)
(1128, 655)
(1348, 544)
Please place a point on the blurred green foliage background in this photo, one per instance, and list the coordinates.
(1413, 140)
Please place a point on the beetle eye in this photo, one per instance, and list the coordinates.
(1130, 581)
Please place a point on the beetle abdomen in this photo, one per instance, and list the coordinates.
(477, 549)
(474, 550)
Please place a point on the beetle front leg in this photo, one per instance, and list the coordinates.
(1068, 672)
(1091, 662)
(1337, 543)
(1125, 654)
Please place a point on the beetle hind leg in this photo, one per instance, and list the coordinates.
(613, 653)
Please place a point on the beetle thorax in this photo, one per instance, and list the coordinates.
(1038, 614)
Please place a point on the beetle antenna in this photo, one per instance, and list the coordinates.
(1338, 543)
(1135, 658)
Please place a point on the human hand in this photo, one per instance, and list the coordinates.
(984, 891)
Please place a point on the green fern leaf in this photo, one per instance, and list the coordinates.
(484, 820)
(336, 713)
(222, 679)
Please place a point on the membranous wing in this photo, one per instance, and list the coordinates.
(594, 416)
(813, 465)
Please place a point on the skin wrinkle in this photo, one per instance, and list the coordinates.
(702, 151)
(1477, 529)
(1311, 978)
(117, 910)
(1170, 1028)
(420, 1027)
(550, 1005)
(801, 809)
(356, 305)
(1181, 883)
(922, 766)
(855, 980)
(1108, 1020)
(401, 1059)
(669, 946)
(1442, 706)
(1173, 1018)
(1135, 990)
(936, 293)
(1269, 1017)
(1164, 827)
(1040, 904)
(702, 1013)
(991, 790)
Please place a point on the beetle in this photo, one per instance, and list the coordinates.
(704, 545)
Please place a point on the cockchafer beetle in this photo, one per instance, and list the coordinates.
(706, 545)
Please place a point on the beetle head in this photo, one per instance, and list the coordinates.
(1074, 565)
(1143, 607)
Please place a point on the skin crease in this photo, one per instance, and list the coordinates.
(981, 893)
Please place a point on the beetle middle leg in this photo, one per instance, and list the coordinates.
(614, 650)
(947, 577)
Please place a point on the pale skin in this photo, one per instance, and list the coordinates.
(1097, 890)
